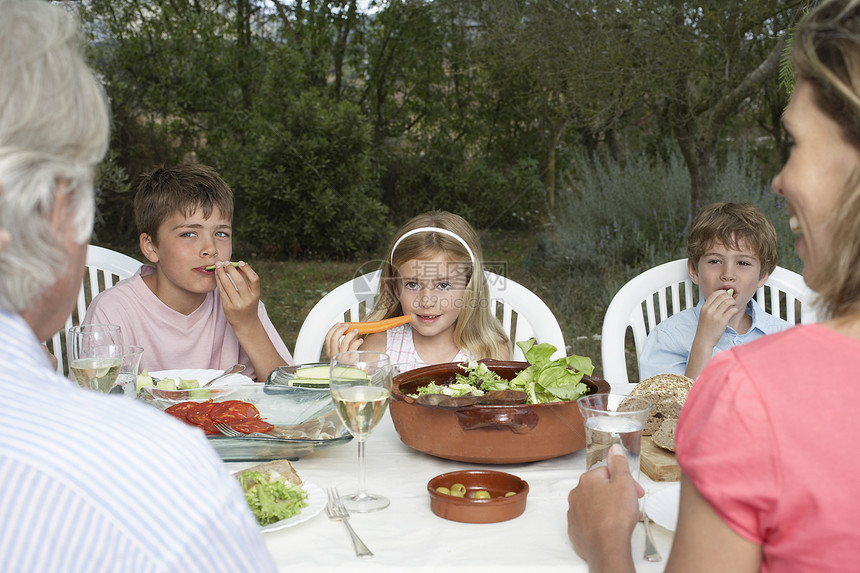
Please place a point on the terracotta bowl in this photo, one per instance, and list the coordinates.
(481, 433)
(467, 509)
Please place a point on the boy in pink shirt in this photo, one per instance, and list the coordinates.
(183, 315)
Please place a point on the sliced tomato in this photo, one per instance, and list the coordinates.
(209, 429)
(181, 409)
(233, 411)
(251, 425)
(199, 414)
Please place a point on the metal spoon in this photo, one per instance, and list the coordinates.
(233, 370)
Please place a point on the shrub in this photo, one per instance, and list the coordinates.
(305, 184)
(444, 175)
(616, 218)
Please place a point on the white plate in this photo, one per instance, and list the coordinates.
(662, 506)
(203, 376)
(316, 503)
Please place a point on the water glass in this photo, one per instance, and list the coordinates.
(126, 382)
(613, 419)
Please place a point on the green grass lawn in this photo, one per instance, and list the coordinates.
(291, 288)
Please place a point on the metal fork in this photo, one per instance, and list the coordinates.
(336, 511)
(228, 431)
(651, 552)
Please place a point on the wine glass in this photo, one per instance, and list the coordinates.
(360, 384)
(95, 355)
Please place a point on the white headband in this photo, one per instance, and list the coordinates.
(433, 230)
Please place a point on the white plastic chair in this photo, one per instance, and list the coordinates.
(104, 268)
(667, 289)
(522, 313)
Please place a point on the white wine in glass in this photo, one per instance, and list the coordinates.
(95, 355)
(360, 384)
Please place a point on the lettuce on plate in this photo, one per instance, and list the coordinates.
(271, 497)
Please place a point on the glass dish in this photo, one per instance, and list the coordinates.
(303, 417)
(297, 375)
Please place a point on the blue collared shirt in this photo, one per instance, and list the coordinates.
(667, 348)
(92, 482)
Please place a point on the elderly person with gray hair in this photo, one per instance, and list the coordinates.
(91, 482)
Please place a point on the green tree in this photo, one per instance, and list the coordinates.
(700, 66)
(241, 85)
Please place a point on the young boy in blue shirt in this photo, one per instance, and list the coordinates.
(731, 251)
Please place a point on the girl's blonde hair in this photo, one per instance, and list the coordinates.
(827, 55)
(477, 330)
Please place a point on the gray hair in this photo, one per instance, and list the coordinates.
(54, 128)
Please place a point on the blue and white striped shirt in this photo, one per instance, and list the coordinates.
(91, 482)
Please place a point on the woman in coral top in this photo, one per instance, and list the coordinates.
(768, 439)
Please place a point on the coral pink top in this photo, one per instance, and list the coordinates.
(769, 436)
(401, 349)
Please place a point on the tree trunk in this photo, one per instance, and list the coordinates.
(699, 154)
(343, 30)
(555, 129)
(698, 135)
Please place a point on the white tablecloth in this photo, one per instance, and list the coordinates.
(408, 535)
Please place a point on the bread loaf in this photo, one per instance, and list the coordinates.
(665, 434)
(667, 394)
(283, 467)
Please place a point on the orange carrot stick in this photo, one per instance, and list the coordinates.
(379, 325)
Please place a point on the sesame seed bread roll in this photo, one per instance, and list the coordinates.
(667, 394)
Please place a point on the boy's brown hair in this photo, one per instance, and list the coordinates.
(183, 188)
(733, 225)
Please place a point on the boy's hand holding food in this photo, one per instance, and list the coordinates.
(717, 311)
(240, 296)
(239, 286)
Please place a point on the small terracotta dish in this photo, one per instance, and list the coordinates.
(468, 509)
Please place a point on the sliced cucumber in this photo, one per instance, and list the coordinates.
(308, 382)
(166, 384)
(313, 373)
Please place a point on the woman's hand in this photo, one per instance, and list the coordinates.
(603, 510)
(337, 339)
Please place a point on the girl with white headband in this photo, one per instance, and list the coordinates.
(433, 272)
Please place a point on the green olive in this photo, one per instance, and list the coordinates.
(482, 494)
(458, 490)
(442, 489)
(510, 493)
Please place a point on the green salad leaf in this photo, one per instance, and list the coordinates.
(545, 380)
(455, 389)
(551, 380)
(271, 497)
